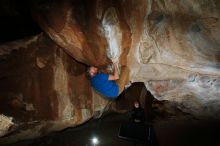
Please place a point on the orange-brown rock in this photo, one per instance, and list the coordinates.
(87, 30)
(171, 46)
(42, 88)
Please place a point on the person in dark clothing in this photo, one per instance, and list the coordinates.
(137, 114)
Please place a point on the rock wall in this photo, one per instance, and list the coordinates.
(42, 89)
(177, 56)
(171, 46)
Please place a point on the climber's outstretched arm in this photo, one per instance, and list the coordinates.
(115, 75)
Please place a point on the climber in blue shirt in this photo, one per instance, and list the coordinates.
(109, 85)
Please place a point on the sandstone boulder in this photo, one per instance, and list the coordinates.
(171, 46)
(43, 89)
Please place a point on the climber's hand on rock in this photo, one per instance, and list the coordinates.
(115, 61)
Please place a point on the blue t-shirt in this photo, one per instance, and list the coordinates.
(106, 87)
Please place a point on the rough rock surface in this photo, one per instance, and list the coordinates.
(43, 88)
(171, 46)
(5, 124)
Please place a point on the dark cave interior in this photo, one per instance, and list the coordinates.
(16, 21)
